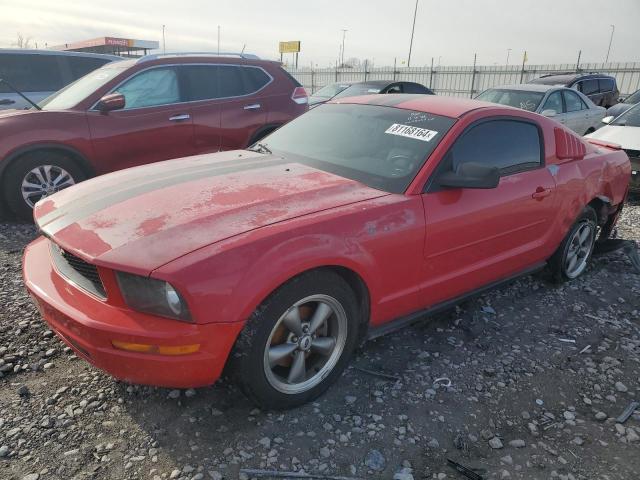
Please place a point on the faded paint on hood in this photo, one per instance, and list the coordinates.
(626, 136)
(144, 217)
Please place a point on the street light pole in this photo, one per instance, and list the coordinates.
(613, 29)
(344, 34)
(508, 53)
(415, 13)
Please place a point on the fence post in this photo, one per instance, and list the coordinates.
(312, 85)
(394, 69)
(524, 59)
(473, 75)
(336, 72)
(365, 69)
(578, 62)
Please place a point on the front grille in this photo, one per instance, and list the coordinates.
(77, 271)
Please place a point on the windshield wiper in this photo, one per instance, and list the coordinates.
(2, 80)
(261, 148)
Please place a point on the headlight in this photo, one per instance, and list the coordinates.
(153, 296)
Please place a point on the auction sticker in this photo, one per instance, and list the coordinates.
(411, 132)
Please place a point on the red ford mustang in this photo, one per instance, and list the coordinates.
(352, 220)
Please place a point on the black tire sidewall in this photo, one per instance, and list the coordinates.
(247, 367)
(558, 261)
(18, 169)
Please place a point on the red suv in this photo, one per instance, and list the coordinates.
(141, 111)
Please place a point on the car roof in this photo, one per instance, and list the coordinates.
(25, 51)
(564, 78)
(452, 107)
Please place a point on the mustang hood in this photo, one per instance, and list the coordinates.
(144, 217)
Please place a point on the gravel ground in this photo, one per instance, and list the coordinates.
(538, 375)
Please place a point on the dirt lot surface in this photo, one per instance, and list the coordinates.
(538, 375)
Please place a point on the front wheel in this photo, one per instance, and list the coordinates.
(574, 253)
(35, 176)
(298, 342)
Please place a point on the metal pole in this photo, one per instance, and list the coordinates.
(524, 58)
(578, 62)
(613, 29)
(218, 39)
(415, 13)
(365, 69)
(431, 75)
(344, 34)
(508, 52)
(473, 75)
(394, 69)
(164, 44)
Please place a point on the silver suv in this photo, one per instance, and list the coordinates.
(39, 73)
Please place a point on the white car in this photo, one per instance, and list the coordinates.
(39, 73)
(565, 105)
(625, 131)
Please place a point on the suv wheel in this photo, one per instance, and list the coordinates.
(35, 176)
(298, 342)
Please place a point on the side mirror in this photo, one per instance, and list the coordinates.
(550, 112)
(113, 101)
(471, 175)
(608, 120)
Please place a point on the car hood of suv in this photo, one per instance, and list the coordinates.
(145, 217)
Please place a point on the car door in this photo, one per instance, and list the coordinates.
(591, 89)
(478, 236)
(578, 115)
(554, 102)
(154, 125)
(243, 110)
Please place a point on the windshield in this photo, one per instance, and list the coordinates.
(514, 98)
(359, 89)
(77, 91)
(633, 98)
(382, 147)
(331, 91)
(630, 118)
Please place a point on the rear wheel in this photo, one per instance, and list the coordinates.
(298, 342)
(573, 256)
(35, 176)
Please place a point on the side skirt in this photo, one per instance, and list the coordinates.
(420, 315)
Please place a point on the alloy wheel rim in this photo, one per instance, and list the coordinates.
(305, 344)
(42, 181)
(580, 246)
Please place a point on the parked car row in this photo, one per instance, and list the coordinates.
(346, 89)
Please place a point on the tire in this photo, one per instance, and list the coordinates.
(56, 170)
(271, 377)
(575, 245)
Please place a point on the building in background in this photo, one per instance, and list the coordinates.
(124, 47)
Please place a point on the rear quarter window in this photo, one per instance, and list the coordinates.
(606, 84)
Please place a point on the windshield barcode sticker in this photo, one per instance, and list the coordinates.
(411, 132)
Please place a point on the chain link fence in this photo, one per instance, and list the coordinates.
(465, 81)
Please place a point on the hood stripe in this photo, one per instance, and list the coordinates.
(85, 206)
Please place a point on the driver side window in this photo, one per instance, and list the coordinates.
(158, 86)
(511, 145)
(554, 102)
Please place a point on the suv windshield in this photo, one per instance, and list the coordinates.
(630, 118)
(77, 91)
(331, 91)
(514, 98)
(359, 89)
(382, 147)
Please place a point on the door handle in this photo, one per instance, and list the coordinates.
(540, 193)
(253, 106)
(178, 118)
(7, 101)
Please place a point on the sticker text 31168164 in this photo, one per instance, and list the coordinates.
(411, 132)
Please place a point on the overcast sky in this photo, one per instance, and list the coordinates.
(552, 31)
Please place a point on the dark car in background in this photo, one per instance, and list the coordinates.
(601, 89)
(625, 104)
(40, 73)
(141, 111)
(347, 89)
